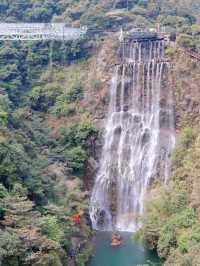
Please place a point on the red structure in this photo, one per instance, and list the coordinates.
(75, 218)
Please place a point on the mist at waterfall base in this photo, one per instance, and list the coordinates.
(139, 136)
(130, 253)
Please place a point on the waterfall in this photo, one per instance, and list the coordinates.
(139, 136)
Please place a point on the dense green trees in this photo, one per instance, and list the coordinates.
(32, 238)
(27, 186)
(26, 153)
(75, 141)
(10, 249)
(189, 37)
(93, 13)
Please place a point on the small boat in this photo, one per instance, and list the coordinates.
(116, 239)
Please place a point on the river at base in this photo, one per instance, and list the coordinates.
(130, 253)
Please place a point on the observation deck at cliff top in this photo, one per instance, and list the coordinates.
(141, 35)
(40, 31)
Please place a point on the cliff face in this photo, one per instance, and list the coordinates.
(99, 74)
(185, 83)
(97, 84)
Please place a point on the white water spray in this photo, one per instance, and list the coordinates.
(139, 136)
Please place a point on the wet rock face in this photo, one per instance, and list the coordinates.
(125, 108)
(118, 130)
(101, 218)
(163, 103)
(145, 136)
(113, 200)
(137, 118)
(164, 118)
(92, 165)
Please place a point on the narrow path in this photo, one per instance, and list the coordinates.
(191, 54)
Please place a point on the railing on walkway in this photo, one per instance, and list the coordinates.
(40, 31)
(193, 55)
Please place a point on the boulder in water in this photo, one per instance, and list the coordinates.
(116, 239)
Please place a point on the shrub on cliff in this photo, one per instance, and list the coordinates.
(75, 93)
(42, 97)
(76, 158)
(51, 228)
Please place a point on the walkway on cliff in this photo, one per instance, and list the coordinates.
(40, 31)
(191, 54)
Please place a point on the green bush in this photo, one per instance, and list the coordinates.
(11, 252)
(44, 97)
(170, 231)
(83, 257)
(76, 141)
(185, 41)
(76, 158)
(63, 109)
(95, 19)
(75, 93)
(97, 84)
(78, 134)
(186, 141)
(50, 259)
(19, 190)
(188, 238)
(3, 191)
(50, 227)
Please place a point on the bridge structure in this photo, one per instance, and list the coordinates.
(40, 31)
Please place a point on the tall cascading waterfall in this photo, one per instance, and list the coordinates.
(139, 136)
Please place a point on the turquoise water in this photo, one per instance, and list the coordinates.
(130, 253)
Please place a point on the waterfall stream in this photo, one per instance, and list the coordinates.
(139, 136)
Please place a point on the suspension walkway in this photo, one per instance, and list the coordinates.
(40, 31)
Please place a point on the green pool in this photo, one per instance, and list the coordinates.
(130, 253)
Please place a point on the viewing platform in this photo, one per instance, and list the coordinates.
(141, 35)
(40, 31)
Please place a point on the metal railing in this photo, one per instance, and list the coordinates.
(40, 31)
